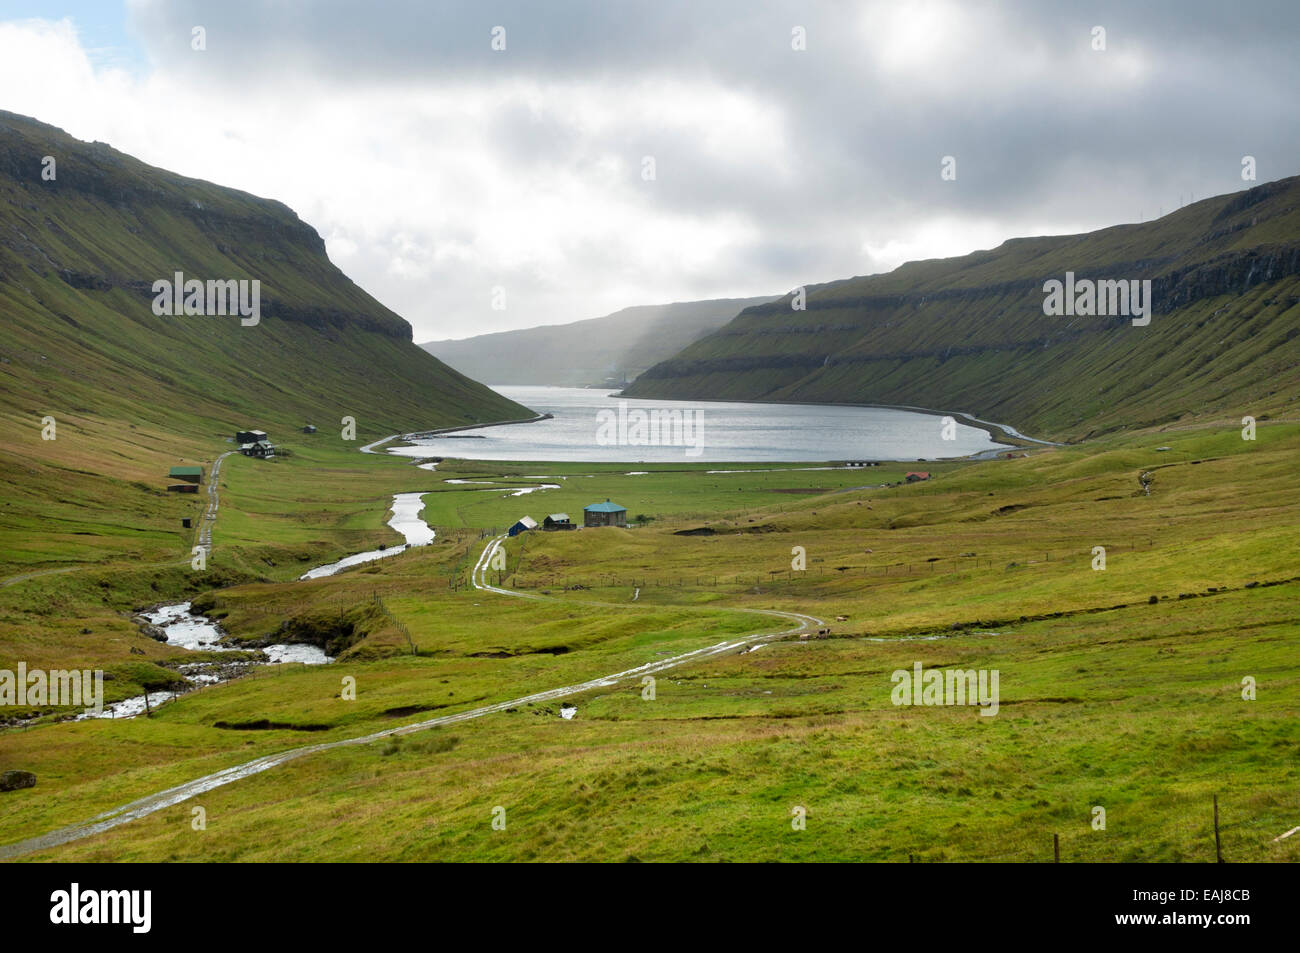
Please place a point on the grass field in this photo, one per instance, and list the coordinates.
(1120, 688)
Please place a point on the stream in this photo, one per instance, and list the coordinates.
(186, 629)
(406, 520)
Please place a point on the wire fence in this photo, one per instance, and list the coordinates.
(1193, 828)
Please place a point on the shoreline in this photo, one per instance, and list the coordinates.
(1000, 432)
(417, 434)
(1004, 434)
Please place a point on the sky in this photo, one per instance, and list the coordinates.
(623, 153)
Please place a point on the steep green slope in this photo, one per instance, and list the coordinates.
(79, 255)
(969, 334)
(132, 392)
(587, 352)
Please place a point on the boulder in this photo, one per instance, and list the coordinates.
(13, 780)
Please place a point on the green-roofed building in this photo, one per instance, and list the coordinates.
(188, 474)
(604, 514)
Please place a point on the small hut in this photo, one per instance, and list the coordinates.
(525, 524)
(604, 514)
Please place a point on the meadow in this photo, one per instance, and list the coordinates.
(1121, 688)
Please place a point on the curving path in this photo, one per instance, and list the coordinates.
(210, 514)
(204, 538)
(152, 803)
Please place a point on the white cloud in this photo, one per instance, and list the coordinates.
(411, 191)
(435, 171)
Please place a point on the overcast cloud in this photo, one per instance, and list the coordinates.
(437, 169)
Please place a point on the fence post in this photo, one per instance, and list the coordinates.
(1056, 848)
(1218, 850)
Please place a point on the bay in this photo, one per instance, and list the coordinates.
(722, 432)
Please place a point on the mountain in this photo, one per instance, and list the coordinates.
(127, 393)
(78, 258)
(970, 334)
(619, 345)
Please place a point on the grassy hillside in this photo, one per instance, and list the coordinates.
(969, 334)
(587, 352)
(132, 393)
(1120, 688)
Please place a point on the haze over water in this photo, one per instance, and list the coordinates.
(731, 432)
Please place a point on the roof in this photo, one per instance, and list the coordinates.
(923, 474)
(527, 521)
(606, 507)
(558, 517)
(185, 471)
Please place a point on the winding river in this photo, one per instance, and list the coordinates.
(187, 629)
(406, 520)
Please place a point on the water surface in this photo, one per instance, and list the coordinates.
(728, 432)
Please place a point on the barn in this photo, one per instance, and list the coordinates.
(249, 436)
(557, 521)
(604, 514)
(916, 476)
(525, 524)
(187, 474)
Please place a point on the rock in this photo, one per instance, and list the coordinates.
(155, 632)
(14, 780)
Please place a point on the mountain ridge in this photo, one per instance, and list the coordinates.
(79, 254)
(99, 395)
(970, 332)
(587, 352)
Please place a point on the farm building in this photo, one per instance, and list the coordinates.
(249, 436)
(604, 514)
(309, 428)
(524, 525)
(188, 474)
(557, 521)
(916, 476)
(260, 448)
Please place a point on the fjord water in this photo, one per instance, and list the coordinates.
(731, 432)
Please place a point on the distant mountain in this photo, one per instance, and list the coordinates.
(619, 345)
(970, 334)
(84, 237)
